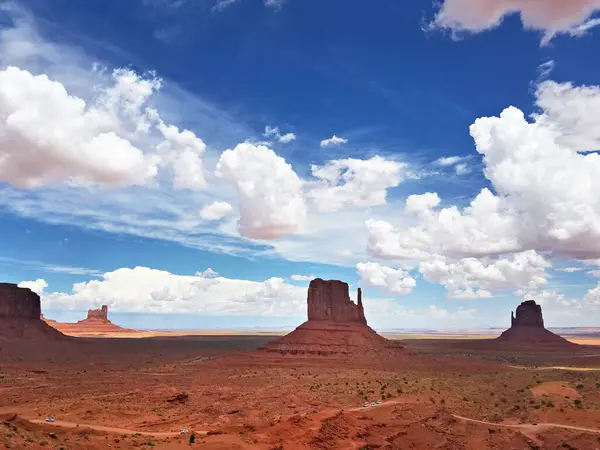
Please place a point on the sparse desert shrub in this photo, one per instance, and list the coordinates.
(192, 438)
(550, 404)
(579, 386)
(29, 438)
(577, 403)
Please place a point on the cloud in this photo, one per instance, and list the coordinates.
(355, 182)
(460, 167)
(222, 5)
(544, 189)
(167, 206)
(36, 286)
(182, 151)
(271, 199)
(545, 69)
(334, 140)
(569, 269)
(551, 17)
(396, 281)
(142, 289)
(274, 4)
(302, 277)
(473, 278)
(72, 270)
(47, 135)
(572, 112)
(273, 133)
(444, 314)
(53, 268)
(208, 273)
(449, 160)
(216, 211)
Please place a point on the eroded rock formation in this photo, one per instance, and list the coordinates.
(19, 303)
(527, 327)
(330, 300)
(20, 314)
(95, 324)
(98, 314)
(529, 314)
(336, 327)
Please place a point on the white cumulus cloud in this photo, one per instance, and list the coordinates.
(550, 16)
(216, 211)
(333, 140)
(355, 182)
(396, 281)
(271, 198)
(49, 136)
(142, 289)
(474, 278)
(545, 191)
(36, 286)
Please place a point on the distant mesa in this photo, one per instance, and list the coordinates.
(527, 326)
(336, 326)
(20, 315)
(98, 314)
(95, 323)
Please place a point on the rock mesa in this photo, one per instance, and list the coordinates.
(18, 303)
(96, 323)
(336, 326)
(98, 314)
(20, 314)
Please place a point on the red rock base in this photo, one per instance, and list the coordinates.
(533, 336)
(28, 329)
(334, 339)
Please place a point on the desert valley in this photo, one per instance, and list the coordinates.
(333, 383)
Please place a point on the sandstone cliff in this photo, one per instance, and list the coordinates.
(330, 300)
(98, 314)
(18, 303)
(529, 314)
(20, 315)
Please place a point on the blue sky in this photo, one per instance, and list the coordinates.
(135, 156)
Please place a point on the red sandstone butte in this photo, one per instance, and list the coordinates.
(527, 326)
(95, 323)
(98, 314)
(336, 326)
(330, 300)
(20, 313)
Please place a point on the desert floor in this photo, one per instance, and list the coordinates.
(440, 394)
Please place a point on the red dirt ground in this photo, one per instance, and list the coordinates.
(139, 393)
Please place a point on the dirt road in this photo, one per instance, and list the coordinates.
(64, 424)
(526, 428)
